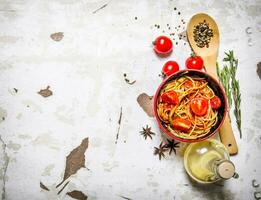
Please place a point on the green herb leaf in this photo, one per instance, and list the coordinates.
(227, 77)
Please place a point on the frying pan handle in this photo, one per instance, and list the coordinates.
(227, 137)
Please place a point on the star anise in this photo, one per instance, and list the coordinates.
(171, 146)
(160, 151)
(146, 132)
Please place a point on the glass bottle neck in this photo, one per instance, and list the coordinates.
(224, 169)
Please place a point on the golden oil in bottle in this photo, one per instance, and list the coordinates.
(208, 161)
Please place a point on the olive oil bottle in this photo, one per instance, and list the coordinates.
(208, 162)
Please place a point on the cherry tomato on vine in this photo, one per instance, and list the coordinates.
(170, 97)
(163, 45)
(181, 124)
(199, 106)
(215, 102)
(194, 62)
(170, 68)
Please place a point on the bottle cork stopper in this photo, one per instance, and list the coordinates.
(226, 169)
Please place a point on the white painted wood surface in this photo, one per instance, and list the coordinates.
(85, 72)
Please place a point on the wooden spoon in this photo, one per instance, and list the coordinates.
(209, 55)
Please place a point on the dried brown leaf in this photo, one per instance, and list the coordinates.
(46, 92)
(57, 36)
(43, 186)
(77, 195)
(146, 102)
(75, 160)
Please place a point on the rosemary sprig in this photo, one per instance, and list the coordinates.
(224, 78)
(227, 77)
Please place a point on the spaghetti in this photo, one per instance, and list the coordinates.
(178, 115)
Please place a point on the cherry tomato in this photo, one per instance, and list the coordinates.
(199, 106)
(170, 97)
(170, 68)
(162, 45)
(188, 84)
(181, 124)
(215, 102)
(194, 62)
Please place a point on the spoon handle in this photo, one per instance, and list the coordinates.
(227, 137)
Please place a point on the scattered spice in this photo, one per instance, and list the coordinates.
(180, 26)
(135, 18)
(43, 187)
(146, 132)
(75, 160)
(258, 70)
(46, 92)
(127, 80)
(171, 146)
(77, 195)
(99, 8)
(227, 77)
(160, 151)
(16, 90)
(146, 103)
(57, 36)
(254, 183)
(202, 34)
